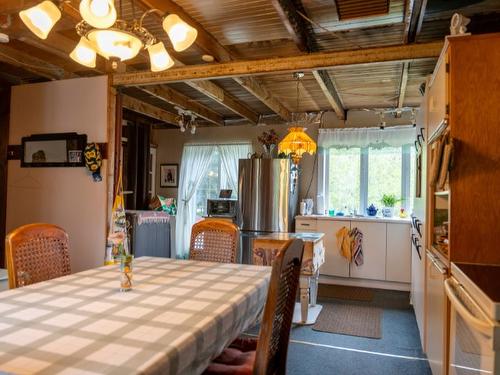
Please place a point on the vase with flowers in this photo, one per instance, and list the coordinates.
(268, 140)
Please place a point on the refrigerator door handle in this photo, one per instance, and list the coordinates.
(483, 326)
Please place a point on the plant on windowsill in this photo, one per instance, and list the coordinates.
(389, 201)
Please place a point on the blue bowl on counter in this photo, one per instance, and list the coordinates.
(372, 210)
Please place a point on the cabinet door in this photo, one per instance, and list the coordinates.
(398, 260)
(438, 98)
(374, 251)
(335, 264)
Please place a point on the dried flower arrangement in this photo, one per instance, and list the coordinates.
(268, 138)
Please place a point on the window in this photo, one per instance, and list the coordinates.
(358, 177)
(222, 173)
(211, 183)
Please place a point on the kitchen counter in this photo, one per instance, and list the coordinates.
(306, 236)
(375, 219)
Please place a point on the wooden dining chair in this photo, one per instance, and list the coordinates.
(36, 252)
(267, 355)
(214, 240)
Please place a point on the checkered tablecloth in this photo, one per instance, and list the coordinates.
(179, 315)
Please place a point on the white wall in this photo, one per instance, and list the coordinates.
(171, 142)
(67, 197)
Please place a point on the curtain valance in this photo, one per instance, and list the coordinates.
(367, 137)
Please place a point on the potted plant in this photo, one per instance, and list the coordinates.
(389, 201)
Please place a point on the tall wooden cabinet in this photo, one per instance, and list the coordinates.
(465, 94)
(463, 208)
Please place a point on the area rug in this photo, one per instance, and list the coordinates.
(345, 292)
(352, 320)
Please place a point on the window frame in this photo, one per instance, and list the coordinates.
(324, 177)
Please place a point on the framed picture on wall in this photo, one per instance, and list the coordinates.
(169, 175)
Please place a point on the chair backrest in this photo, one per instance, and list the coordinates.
(36, 252)
(214, 240)
(276, 324)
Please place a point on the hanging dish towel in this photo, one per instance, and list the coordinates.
(356, 246)
(344, 243)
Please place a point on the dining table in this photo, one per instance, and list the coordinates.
(178, 316)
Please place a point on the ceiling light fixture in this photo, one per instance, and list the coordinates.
(297, 142)
(186, 120)
(102, 32)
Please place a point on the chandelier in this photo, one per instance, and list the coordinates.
(297, 142)
(101, 32)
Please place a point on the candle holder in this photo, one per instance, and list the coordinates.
(126, 273)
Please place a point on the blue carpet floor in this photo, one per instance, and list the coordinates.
(397, 352)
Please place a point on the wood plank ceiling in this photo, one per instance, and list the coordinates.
(232, 30)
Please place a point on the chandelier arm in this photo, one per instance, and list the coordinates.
(154, 10)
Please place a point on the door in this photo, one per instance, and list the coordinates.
(374, 251)
(398, 260)
(335, 264)
(435, 314)
(471, 334)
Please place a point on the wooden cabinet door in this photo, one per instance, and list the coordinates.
(398, 259)
(438, 97)
(335, 264)
(374, 251)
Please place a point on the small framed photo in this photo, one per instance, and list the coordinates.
(75, 156)
(169, 175)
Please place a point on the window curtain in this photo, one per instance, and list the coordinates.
(367, 137)
(194, 166)
(229, 155)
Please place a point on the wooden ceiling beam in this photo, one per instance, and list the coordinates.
(262, 93)
(303, 35)
(330, 91)
(32, 64)
(313, 61)
(218, 94)
(416, 20)
(402, 84)
(173, 97)
(150, 110)
(208, 44)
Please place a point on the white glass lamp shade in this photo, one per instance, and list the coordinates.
(84, 53)
(98, 13)
(180, 33)
(159, 57)
(115, 43)
(41, 18)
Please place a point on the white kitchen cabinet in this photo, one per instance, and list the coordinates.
(335, 264)
(374, 251)
(398, 259)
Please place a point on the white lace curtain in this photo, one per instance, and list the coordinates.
(229, 155)
(366, 137)
(194, 167)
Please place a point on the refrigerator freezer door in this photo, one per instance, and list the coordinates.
(267, 194)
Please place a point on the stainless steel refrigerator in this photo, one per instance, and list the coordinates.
(267, 199)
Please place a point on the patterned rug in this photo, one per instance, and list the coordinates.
(353, 320)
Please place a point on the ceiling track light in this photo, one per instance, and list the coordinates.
(101, 32)
(186, 120)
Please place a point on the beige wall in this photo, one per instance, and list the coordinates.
(67, 197)
(171, 142)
